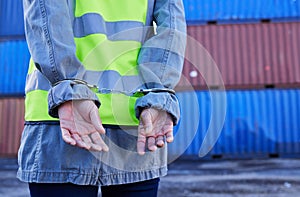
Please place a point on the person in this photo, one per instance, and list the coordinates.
(99, 105)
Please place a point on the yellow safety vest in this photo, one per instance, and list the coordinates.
(104, 52)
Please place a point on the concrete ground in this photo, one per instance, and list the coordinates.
(190, 178)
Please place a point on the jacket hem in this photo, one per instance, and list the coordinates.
(90, 179)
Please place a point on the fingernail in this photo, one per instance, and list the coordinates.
(153, 148)
(170, 139)
(71, 141)
(105, 149)
(160, 144)
(148, 129)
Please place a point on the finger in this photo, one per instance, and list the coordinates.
(160, 141)
(96, 121)
(146, 121)
(86, 139)
(141, 144)
(151, 144)
(168, 130)
(67, 137)
(79, 142)
(159, 135)
(99, 144)
(169, 136)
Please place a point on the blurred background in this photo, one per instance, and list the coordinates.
(254, 43)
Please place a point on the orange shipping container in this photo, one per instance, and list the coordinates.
(11, 125)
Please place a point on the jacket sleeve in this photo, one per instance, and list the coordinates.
(49, 34)
(161, 58)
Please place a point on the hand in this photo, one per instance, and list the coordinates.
(154, 126)
(81, 125)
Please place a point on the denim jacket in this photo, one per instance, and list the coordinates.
(49, 33)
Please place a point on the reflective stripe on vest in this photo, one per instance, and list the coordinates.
(105, 50)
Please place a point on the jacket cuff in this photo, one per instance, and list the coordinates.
(162, 101)
(66, 91)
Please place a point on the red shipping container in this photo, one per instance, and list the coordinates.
(11, 125)
(247, 55)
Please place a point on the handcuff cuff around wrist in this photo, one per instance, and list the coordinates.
(136, 93)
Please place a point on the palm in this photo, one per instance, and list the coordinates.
(154, 126)
(81, 126)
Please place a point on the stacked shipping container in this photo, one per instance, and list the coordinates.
(11, 19)
(14, 57)
(258, 123)
(248, 55)
(11, 125)
(236, 11)
(255, 46)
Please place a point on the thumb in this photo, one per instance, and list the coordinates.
(146, 121)
(96, 121)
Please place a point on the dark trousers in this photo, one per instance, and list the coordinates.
(140, 189)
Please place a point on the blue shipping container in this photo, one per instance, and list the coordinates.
(257, 123)
(14, 58)
(199, 11)
(11, 18)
